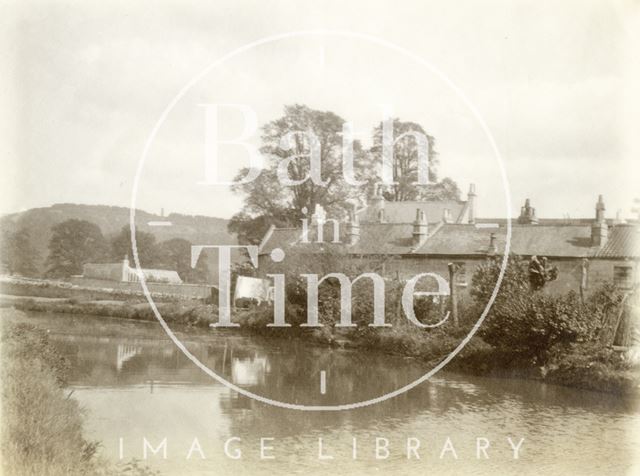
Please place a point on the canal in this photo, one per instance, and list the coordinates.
(135, 384)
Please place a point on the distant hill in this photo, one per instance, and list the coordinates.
(38, 221)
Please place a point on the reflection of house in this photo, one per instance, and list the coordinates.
(126, 352)
(249, 371)
(408, 238)
(123, 272)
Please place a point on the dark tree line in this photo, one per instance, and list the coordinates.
(74, 243)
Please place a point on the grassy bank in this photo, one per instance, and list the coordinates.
(190, 314)
(64, 290)
(42, 425)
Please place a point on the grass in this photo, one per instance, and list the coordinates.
(42, 426)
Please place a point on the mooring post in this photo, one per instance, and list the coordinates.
(452, 292)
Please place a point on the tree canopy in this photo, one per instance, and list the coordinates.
(405, 165)
(17, 253)
(72, 244)
(267, 201)
(175, 254)
(287, 145)
(148, 252)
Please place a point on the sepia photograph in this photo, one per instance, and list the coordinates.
(319, 237)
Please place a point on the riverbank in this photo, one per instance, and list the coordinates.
(580, 365)
(42, 423)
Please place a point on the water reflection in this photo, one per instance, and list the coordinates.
(135, 382)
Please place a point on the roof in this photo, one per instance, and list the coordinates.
(545, 240)
(623, 242)
(405, 212)
(552, 240)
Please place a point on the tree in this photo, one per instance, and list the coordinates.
(17, 253)
(175, 254)
(267, 200)
(148, 252)
(405, 165)
(73, 243)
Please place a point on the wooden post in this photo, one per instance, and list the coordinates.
(584, 278)
(453, 268)
(399, 296)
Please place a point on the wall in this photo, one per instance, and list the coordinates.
(197, 291)
(600, 271)
(111, 271)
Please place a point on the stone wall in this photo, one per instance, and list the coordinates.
(196, 291)
(600, 271)
(112, 271)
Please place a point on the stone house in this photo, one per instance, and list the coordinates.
(404, 239)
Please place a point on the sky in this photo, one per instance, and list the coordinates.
(85, 83)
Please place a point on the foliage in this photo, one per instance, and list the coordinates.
(532, 324)
(148, 252)
(175, 254)
(267, 201)
(405, 165)
(72, 244)
(17, 253)
(42, 428)
(30, 343)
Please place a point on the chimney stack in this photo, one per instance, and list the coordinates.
(471, 203)
(446, 216)
(420, 229)
(527, 214)
(599, 229)
(493, 247)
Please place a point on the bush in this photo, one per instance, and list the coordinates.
(525, 322)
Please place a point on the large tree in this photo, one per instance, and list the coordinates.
(267, 201)
(175, 254)
(148, 252)
(73, 243)
(405, 164)
(17, 253)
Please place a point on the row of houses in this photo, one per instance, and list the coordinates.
(414, 237)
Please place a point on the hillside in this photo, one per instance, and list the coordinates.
(38, 221)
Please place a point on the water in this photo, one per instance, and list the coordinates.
(134, 383)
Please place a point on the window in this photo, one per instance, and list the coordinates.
(623, 276)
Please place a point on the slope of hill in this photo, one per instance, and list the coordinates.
(38, 222)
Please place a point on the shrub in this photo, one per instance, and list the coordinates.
(525, 322)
